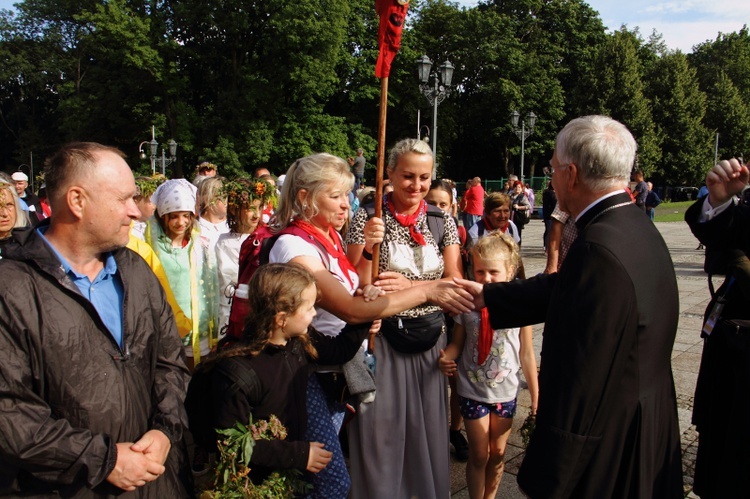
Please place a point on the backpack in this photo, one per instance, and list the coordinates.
(199, 402)
(435, 220)
(254, 252)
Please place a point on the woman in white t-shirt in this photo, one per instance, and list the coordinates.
(315, 205)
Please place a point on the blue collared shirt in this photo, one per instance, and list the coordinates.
(105, 293)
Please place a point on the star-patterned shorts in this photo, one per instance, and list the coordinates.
(471, 409)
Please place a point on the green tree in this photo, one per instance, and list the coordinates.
(679, 107)
(617, 90)
(723, 68)
(727, 115)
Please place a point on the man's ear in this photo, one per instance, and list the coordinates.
(76, 199)
(573, 176)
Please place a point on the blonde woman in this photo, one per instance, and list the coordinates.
(315, 200)
(412, 402)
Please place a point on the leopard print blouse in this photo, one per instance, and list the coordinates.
(400, 253)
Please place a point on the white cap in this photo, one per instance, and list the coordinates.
(20, 176)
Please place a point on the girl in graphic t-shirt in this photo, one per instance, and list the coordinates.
(488, 370)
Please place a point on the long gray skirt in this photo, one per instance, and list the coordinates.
(398, 444)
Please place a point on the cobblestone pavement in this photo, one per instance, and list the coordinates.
(694, 296)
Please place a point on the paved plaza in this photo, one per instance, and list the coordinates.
(694, 296)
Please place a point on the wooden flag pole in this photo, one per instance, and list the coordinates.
(380, 167)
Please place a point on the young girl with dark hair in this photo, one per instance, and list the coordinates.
(276, 350)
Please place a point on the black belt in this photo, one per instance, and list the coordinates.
(737, 326)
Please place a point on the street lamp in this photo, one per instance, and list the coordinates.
(523, 132)
(154, 149)
(426, 135)
(435, 93)
(31, 174)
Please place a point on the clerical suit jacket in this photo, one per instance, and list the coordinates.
(607, 418)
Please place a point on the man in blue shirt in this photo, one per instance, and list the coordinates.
(91, 365)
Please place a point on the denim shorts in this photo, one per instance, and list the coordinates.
(471, 409)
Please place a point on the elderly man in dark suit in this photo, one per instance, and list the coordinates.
(607, 419)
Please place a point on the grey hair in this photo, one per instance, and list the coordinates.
(603, 150)
(406, 146)
(315, 174)
(21, 220)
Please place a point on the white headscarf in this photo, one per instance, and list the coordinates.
(175, 195)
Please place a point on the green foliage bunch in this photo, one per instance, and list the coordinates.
(147, 185)
(232, 470)
(527, 429)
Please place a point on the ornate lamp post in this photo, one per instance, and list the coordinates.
(154, 149)
(523, 132)
(435, 92)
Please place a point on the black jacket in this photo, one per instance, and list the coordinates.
(279, 387)
(69, 393)
(607, 420)
(722, 405)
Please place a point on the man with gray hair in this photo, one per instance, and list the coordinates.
(607, 419)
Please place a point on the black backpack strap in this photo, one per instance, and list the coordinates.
(265, 248)
(436, 223)
(240, 373)
(370, 209)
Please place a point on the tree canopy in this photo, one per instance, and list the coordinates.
(253, 83)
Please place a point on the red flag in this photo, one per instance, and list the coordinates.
(392, 17)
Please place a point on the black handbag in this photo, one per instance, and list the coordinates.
(521, 217)
(413, 335)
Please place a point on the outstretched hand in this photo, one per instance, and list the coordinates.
(450, 296)
(725, 180)
(475, 289)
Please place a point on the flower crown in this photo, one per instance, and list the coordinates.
(244, 190)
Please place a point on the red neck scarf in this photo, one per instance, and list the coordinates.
(409, 221)
(489, 227)
(336, 251)
(485, 337)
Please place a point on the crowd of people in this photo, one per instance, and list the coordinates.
(354, 354)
